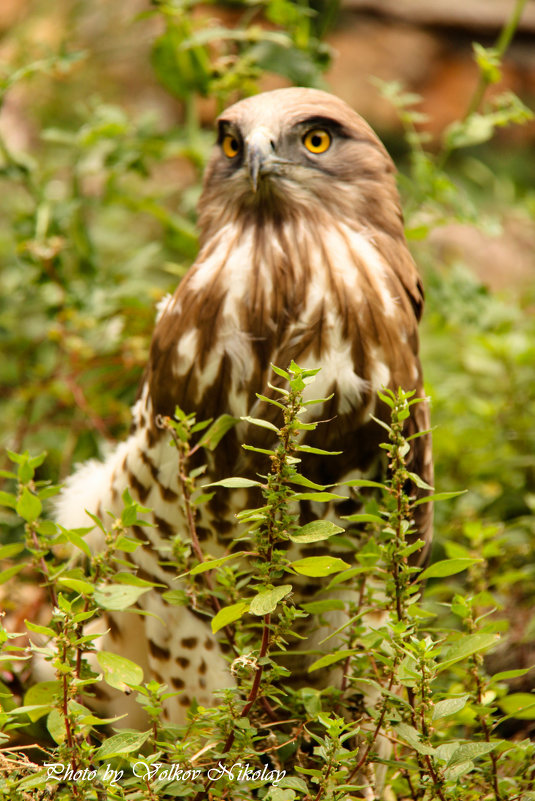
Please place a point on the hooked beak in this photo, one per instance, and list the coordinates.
(260, 154)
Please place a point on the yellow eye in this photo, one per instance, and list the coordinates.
(231, 146)
(317, 141)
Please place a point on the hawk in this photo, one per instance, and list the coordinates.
(302, 257)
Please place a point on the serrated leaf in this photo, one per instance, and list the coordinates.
(266, 602)
(449, 706)
(449, 567)
(117, 596)
(229, 614)
(119, 672)
(29, 507)
(317, 566)
(235, 482)
(118, 744)
(213, 563)
(315, 531)
(217, 431)
(330, 659)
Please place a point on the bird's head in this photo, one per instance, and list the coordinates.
(299, 150)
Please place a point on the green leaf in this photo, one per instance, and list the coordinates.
(362, 482)
(473, 644)
(408, 734)
(217, 431)
(48, 632)
(44, 695)
(228, 615)
(518, 705)
(282, 373)
(330, 659)
(278, 794)
(318, 607)
(135, 581)
(7, 551)
(8, 499)
(117, 596)
(317, 566)
(306, 482)
(176, 597)
(321, 497)
(119, 672)
(29, 507)
(310, 449)
(363, 517)
(213, 563)
(315, 531)
(118, 744)
(504, 675)
(294, 783)
(448, 567)
(420, 483)
(261, 423)
(127, 544)
(82, 587)
(449, 706)
(9, 572)
(266, 602)
(55, 724)
(235, 483)
(470, 751)
(439, 496)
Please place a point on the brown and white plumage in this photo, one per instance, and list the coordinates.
(302, 257)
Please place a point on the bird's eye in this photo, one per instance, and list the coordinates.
(317, 141)
(231, 146)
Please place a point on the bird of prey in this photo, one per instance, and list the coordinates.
(302, 257)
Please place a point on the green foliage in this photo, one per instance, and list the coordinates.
(425, 691)
(90, 238)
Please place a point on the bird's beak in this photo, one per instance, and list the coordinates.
(260, 153)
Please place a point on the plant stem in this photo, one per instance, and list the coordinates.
(504, 40)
